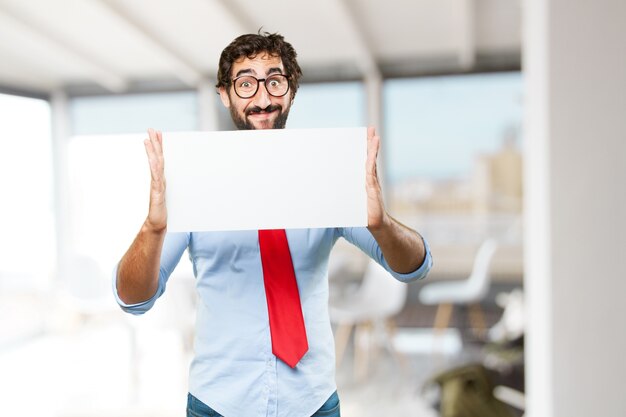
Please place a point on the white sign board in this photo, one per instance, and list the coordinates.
(265, 179)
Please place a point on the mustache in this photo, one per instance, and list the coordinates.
(268, 109)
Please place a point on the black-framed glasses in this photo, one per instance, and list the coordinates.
(246, 86)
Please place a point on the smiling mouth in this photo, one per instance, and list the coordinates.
(259, 112)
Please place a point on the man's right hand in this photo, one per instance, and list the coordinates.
(138, 270)
(157, 213)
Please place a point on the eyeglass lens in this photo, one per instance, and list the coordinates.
(247, 86)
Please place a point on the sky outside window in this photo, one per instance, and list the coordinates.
(435, 125)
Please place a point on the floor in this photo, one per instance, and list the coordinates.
(397, 387)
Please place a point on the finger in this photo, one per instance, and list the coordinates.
(154, 139)
(371, 135)
(152, 159)
(372, 153)
(152, 134)
(159, 142)
(147, 143)
(155, 155)
(371, 132)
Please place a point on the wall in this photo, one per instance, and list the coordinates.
(575, 69)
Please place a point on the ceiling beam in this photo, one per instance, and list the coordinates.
(98, 71)
(467, 33)
(17, 91)
(366, 60)
(366, 63)
(184, 70)
(241, 18)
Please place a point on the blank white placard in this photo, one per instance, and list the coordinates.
(265, 179)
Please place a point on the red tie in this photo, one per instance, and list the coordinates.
(283, 300)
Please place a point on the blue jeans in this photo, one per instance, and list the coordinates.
(196, 408)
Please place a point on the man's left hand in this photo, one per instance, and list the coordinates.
(377, 217)
(402, 247)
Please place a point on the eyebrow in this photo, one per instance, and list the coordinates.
(273, 70)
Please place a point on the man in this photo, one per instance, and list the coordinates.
(234, 371)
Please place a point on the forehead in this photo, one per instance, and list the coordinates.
(261, 64)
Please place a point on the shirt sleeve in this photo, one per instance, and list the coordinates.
(174, 246)
(363, 239)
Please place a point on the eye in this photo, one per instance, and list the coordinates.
(276, 81)
(246, 84)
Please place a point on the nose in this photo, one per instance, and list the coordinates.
(262, 97)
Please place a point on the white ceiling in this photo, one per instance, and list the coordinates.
(115, 45)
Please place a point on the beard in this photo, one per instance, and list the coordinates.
(243, 123)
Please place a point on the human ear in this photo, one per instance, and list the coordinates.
(224, 97)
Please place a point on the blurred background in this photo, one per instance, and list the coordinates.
(491, 164)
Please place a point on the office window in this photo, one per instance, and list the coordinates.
(328, 105)
(133, 113)
(27, 244)
(454, 162)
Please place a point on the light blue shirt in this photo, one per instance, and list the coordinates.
(233, 370)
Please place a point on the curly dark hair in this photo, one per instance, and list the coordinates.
(250, 46)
